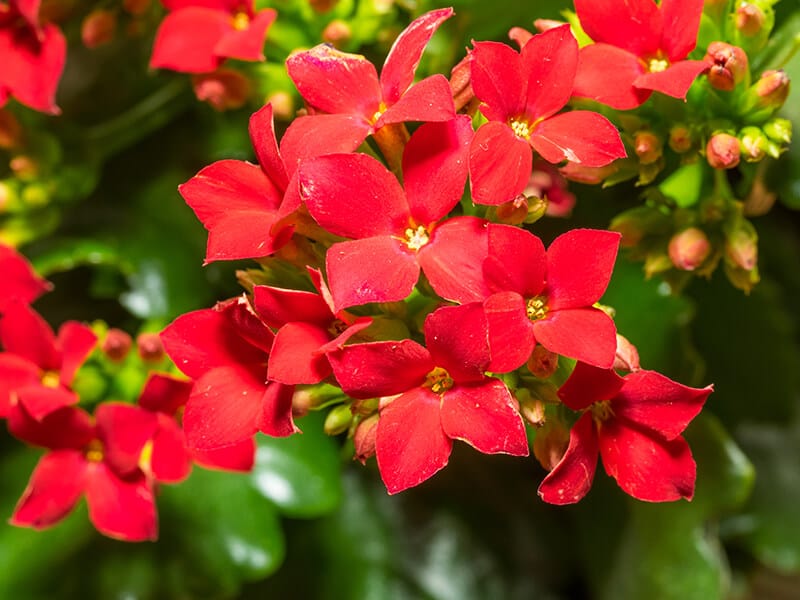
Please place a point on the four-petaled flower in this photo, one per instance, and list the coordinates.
(634, 424)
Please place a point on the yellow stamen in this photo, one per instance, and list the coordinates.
(146, 457)
(241, 21)
(656, 65)
(536, 308)
(416, 238)
(602, 411)
(94, 451)
(521, 128)
(438, 380)
(51, 379)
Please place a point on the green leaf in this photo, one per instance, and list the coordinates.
(301, 473)
(684, 185)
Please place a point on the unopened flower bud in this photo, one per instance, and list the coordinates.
(150, 347)
(224, 89)
(741, 246)
(531, 409)
(542, 362)
(779, 130)
(550, 443)
(24, 167)
(680, 138)
(10, 130)
(513, 212)
(772, 88)
(728, 66)
(116, 344)
(627, 356)
(136, 7)
(98, 28)
(655, 263)
(364, 438)
(338, 420)
(337, 33)
(282, 106)
(322, 6)
(749, 19)
(648, 146)
(637, 223)
(542, 25)
(689, 248)
(722, 151)
(460, 84)
(754, 144)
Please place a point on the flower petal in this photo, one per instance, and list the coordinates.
(606, 74)
(278, 306)
(248, 43)
(634, 25)
(580, 136)
(186, 39)
(674, 81)
(410, 444)
(511, 338)
(579, 267)
(499, 164)
(585, 334)
(498, 80)
(484, 416)
(310, 136)
(124, 430)
(164, 393)
(572, 477)
(549, 61)
(647, 468)
(295, 356)
(651, 400)
(681, 24)
(170, 460)
(429, 100)
(76, 342)
(67, 427)
(458, 340)
(516, 261)
(40, 400)
(261, 128)
(121, 508)
(54, 489)
(25, 333)
(276, 411)
(587, 385)
(15, 373)
(238, 457)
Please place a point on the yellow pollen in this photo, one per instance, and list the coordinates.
(51, 379)
(416, 238)
(146, 457)
(94, 451)
(521, 128)
(536, 308)
(438, 380)
(602, 411)
(656, 65)
(241, 21)
(378, 113)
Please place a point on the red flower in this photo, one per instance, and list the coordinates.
(238, 202)
(37, 367)
(33, 56)
(197, 36)
(443, 395)
(308, 328)
(547, 297)
(225, 350)
(396, 232)
(97, 459)
(640, 47)
(20, 282)
(521, 94)
(635, 424)
(340, 83)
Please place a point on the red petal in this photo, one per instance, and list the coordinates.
(239, 457)
(579, 266)
(262, 134)
(15, 373)
(484, 415)
(549, 61)
(453, 259)
(24, 332)
(499, 164)
(170, 461)
(586, 334)
(20, 282)
(278, 306)
(224, 409)
(276, 411)
(645, 467)
(353, 195)
(511, 338)
(76, 342)
(316, 135)
(458, 339)
(68, 427)
(606, 74)
(164, 393)
(124, 430)
(516, 261)
(40, 400)
(376, 269)
(295, 356)
(336, 82)
(55, 487)
(120, 508)
(429, 100)
(237, 203)
(681, 24)
(572, 477)
(247, 44)
(410, 444)
(587, 385)
(247, 324)
(656, 402)
(498, 80)
(186, 39)
(580, 136)
(401, 63)
(675, 81)
(634, 25)
(380, 368)
(435, 168)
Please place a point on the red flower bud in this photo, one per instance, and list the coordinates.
(689, 248)
(223, 89)
(772, 88)
(98, 28)
(460, 84)
(337, 33)
(627, 357)
(136, 7)
(648, 146)
(741, 248)
(10, 130)
(680, 138)
(728, 65)
(542, 362)
(322, 6)
(749, 19)
(116, 344)
(364, 438)
(514, 212)
(150, 347)
(722, 151)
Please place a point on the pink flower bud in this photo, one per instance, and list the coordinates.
(322, 6)
(364, 438)
(460, 84)
(150, 347)
(722, 151)
(728, 65)
(223, 89)
(772, 88)
(542, 362)
(689, 248)
(741, 248)
(648, 146)
(550, 444)
(627, 356)
(749, 19)
(98, 28)
(680, 138)
(513, 212)
(337, 33)
(116, 344)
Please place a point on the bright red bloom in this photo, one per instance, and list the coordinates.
(37, 367)
(238, 202)
(307, 328)
(443, 395)
(547, 297)
(197, 36)
(33, 56)
(640, 47)
(521, 94)
(97, 459)
(225, 350)
(340, 83)
(20, 282)
(635, 424)
(397, 232)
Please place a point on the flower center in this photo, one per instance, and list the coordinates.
(337, 327)
(602, 411)
(416, 238)
(536, 308)
(51, 379)
(438, 380)
(656, 65)
(146, 457)
(521, 128)
(94, 451)
(381, 109)
(241, 21)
